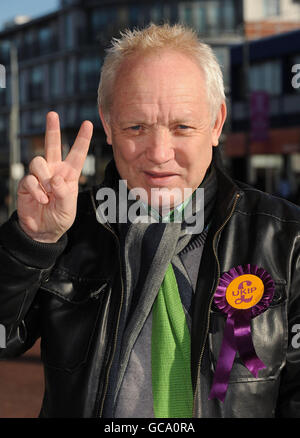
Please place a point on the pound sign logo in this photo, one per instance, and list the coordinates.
(245, 291)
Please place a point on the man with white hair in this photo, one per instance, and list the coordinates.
(146, 315)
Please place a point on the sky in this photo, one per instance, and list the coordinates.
(33, 8)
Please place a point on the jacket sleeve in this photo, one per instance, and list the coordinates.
(288, 405)
(24, 263)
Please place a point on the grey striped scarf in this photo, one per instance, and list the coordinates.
(146, 251)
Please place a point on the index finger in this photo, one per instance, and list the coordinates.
(52, 138)
(78, 152)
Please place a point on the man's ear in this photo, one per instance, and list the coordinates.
(220, 120)
(106, 127)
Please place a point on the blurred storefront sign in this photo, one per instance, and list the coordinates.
(290, 148)
(89, 167)
(259, 114)
(280, 141)
(17, 171)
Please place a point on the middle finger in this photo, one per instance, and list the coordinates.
(52, 138)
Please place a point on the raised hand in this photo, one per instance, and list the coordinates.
(47, 197)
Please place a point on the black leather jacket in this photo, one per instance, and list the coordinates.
(71, 294)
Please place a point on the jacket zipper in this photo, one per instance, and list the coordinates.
(212, 297)
(117, 327)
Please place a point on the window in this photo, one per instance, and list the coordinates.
(167, 12)
(68, 27)
(99, 19)
(88, 112)
(271, 8)
(194, 15)
(29, 45)
(213, 17)
(201, 20)
(134, 15)
(222, 54)
(266, 77)
(55, 79)
(45, 40)
(71, 115)
(5, 52)
(208, 17)
(156, 13)
(89, 73)
(3, 124)
(4, 131)
(103, 23)
(2, 96)
(70, 76)
(22, 86)
(25, 118)
(188, 15)
(228, 14)
(37, 119)
(35, 91)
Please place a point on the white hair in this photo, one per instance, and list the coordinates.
(153, 38)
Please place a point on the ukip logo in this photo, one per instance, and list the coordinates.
(243, 293)
(246, 293)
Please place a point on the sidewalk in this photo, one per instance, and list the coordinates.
(22, 385)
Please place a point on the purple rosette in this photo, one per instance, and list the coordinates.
(237, 333)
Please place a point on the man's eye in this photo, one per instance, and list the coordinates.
(135, 127)
(183, 127)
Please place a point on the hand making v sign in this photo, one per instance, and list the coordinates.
(47, 197)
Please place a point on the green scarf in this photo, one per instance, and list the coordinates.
(171, 352)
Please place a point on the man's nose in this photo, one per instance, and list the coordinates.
(160, 148)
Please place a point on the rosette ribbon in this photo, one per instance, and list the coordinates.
(243, 293)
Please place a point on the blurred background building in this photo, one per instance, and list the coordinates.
(265, 116)
(263, 144)
(59, 61)
(268, 17)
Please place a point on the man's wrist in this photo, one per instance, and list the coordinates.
(41, 255)
(39, 237)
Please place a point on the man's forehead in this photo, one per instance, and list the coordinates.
(166, 67)
(184, 107)
(162, 92)
(175, 96)
(159, 83)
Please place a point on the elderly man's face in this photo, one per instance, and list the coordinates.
(160, 126)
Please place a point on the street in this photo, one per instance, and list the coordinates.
(22, 385)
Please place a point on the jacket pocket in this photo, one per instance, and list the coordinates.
(70, 312)
(269, 332)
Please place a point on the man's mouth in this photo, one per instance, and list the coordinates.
(159, 178)
(160, 174)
